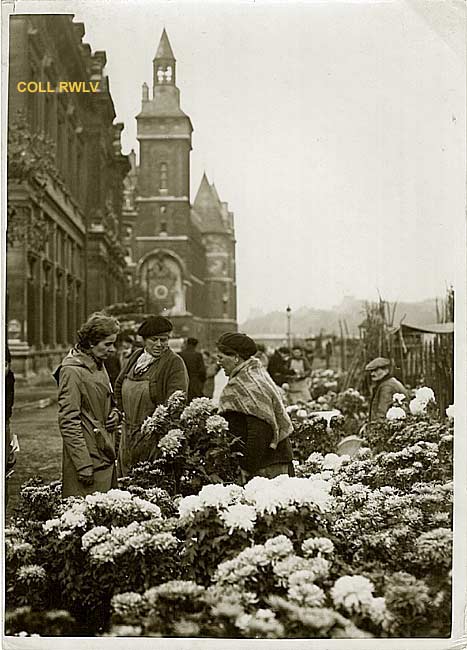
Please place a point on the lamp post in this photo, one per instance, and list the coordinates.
(288, 311)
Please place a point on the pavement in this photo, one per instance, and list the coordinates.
(39, 396)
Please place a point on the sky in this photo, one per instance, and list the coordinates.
(335, 131)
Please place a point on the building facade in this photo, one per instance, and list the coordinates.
(65, 257)
(181, 257)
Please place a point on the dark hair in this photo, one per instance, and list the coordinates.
(192, 341)
(98, 327)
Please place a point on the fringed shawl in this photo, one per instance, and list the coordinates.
(250, 390)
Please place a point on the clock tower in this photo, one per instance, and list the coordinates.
(172, 269)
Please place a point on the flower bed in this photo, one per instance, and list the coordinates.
(349, 548)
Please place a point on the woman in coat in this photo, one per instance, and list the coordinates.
(151, 375)
(87, 415)
(252, 405)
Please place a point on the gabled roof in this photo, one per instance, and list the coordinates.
(433, 328)
(209, 208)
(164, 51)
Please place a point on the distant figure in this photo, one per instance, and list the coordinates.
(384, 387)
(212, 368)
(278, 366)
(328, 354)
(116, 360)
(300, 370)
(195, 366)
(11, 441)
(261, 355)
(309, 351)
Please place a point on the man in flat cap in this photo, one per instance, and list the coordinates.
(384, 387)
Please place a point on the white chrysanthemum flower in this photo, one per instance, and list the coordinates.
(352, 592)
(395, 413)
(239, 516)
(171, 443)
(278, 547)
(417, 407)
(425, 394)
(376, 610)
(200, 407)
(31, 572)
(215, 495)
(216, 424)
(398, 398)
(317, 544)
(175, 588)
(51, 524)
(94, 536)
(127, 602)
(163, 541)
(104, 552)
(306, 594)
(332, 461)
(189, 505)
(73, 519)
(450, 411)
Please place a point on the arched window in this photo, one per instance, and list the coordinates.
(163, 176)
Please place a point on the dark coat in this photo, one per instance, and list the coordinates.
(196, 372)
(278, 368)
(381, 397)
(170, 376)
(85, 400)
(255, 437)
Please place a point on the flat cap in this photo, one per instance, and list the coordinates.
(379, 362)
(154, 325)
(238, 342)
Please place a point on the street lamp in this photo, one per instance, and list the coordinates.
(288, 311)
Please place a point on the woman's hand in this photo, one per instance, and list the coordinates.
(86, 476)
(113, 419)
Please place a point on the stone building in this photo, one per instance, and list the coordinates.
(65, 258)
(181, 257)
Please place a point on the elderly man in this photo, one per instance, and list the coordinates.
(385, 386)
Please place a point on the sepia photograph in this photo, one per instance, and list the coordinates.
(234, 290)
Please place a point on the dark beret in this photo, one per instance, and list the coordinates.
(238, 342)
(154, 325)
(379, 362)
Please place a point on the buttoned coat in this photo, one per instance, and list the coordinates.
(85, 400)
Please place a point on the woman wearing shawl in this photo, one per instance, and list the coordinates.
(252, 405)
(149, 378)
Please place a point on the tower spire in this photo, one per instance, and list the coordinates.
(164, 63)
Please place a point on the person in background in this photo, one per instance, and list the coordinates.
(383, 388)
(299, 370)
(87, 415)
(309, 351)
(261, 355)
(150, 376)
(328, 354)
(212, 368)
(252, 405)
(11, 441)
(196, 369)
(116, 360)
(278, 366)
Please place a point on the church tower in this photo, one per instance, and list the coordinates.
(168, 254)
